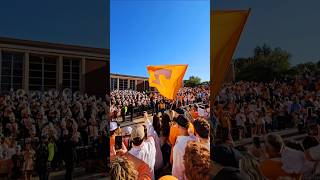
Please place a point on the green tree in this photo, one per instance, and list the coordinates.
(262, 52)
(192, 81)
(266, 65)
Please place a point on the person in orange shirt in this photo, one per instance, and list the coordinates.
(194, 112)
(122, 168)
(168, 177)
(144, 172)
(272, 167)
(226, 120)
(128, 166)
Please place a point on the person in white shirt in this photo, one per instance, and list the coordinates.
(143, 148)
(260, 124)
(151, 131)
(240, 120)
(179, 148)
(252, 116)
(288, 105)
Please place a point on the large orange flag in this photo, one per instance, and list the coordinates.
(167, 79)
(226, 28)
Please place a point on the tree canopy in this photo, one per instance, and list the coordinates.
(193, 81)
(265, 65)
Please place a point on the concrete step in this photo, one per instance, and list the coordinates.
(286, 134)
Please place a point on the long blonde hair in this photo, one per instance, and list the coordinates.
(123, 168)
(250, 166)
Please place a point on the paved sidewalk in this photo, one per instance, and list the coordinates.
(134, 122)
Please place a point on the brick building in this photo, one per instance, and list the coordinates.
(40, 66)
(124, 82)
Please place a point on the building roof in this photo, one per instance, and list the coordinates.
(57, 46)
(130, 76)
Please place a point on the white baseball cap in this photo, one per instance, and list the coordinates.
(127, 130)
(138, 132)
(113, 126)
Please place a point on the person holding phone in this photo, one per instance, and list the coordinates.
(116, 144)
(143, 148)
(127, 137)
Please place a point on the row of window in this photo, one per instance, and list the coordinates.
(71, 74)
(123, 84)
(42, 72)
(11, 71)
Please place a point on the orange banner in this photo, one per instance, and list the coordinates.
(167, 79)
(226, 28)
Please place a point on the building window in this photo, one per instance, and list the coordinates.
(114, 82)
(42, 73)
(146, 85)
(11, 71)
(71, 74)
(133, 84)
(123, 84)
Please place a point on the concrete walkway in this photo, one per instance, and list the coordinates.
(134, 122)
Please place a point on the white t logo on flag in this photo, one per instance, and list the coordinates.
(165, 72)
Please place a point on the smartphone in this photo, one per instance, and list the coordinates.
(118, 142)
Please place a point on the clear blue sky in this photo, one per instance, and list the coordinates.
(78, 22)
(160, 32)
(290, 24)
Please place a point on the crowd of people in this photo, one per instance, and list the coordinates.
(133, 103)
(178, 147)
(242, 110)
(43, 132)
(260, 110)
(181, 139)
(247, 109)
(156, 147)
